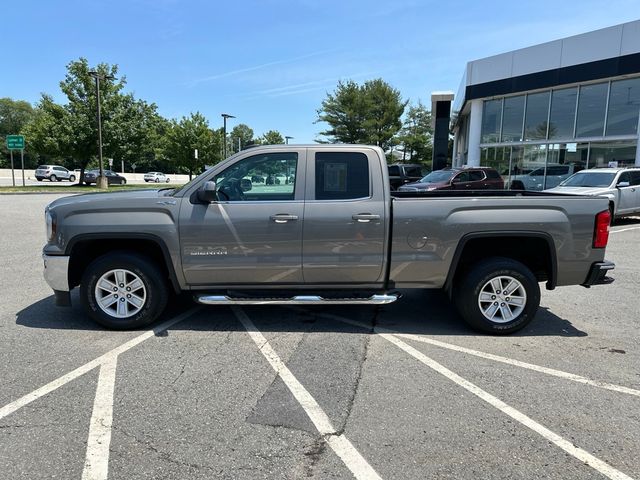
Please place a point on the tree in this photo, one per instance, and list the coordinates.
(241, 137)
(189, 134)
(416, 135)
(272, 137)
(368, 113)
(14, 115)
(131, 128)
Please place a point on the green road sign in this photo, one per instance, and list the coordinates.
(15, 142)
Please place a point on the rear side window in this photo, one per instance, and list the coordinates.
(41, 167)
(413, 171)
(394, 171)
(476, 175)
(341, 175)
(635, 177)
(492, 174)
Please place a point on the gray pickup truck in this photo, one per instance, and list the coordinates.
(318, 224)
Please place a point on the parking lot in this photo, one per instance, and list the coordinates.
(397, 392)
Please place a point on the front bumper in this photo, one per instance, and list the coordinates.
(56, 274)
(598, 274)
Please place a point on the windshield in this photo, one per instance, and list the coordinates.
(438, 176)
(589, 179)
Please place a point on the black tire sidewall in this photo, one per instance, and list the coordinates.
(151, 277)
(72, 178)
(483, 272)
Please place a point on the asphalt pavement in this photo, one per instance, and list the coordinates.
(404, 391)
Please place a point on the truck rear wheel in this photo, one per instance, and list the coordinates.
(499, 296)
(122, 290)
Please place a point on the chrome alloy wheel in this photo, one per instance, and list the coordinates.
(120, 293)
(502, 299)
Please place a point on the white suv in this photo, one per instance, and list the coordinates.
(54, 173)
(156, 177)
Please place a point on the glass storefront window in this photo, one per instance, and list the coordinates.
(620, 154)
(624, 107)
(491, 118)
(497, 158)
(591, 108)
(563, 113)
(512, 117)
(535, 123)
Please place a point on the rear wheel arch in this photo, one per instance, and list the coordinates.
(536, 250)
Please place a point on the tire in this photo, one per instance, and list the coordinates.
(167, 180)
(53, 178)
(123, 182)
(72, 178)
(157, 180)
(147, 284)
(87, 183)
(475, 294)
(39, 179)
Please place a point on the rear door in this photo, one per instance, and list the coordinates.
(344, 218)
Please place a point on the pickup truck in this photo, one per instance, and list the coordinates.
(334, 234)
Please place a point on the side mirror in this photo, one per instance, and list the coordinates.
(208, 192)
(623, 184)
(245, 185)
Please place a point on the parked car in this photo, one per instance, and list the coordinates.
(463, 178)
(157, 177)
(54, 173)
(399, 174)
(535, 180)
(620, 185)
(91, 176)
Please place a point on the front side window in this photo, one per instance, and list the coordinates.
(264, 177)
(341, 175)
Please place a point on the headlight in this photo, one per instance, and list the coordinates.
(50, 221)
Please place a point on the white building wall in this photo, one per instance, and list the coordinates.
(475, 131)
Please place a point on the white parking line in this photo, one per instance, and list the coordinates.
(96, 465)
(489, 356)
(624, 230)
(580, 454)
(64, 379)
(338, 443)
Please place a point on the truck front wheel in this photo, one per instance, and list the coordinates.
(123, 290)
(499, 296)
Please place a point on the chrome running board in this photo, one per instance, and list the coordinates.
(297, 300)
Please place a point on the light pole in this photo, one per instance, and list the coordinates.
(224, 133)
(287, 138)
(101, 181)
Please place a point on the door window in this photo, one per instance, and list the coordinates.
(265, 177)
(342, 176)
(476, 175)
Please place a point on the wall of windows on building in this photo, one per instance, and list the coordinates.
(536, 140)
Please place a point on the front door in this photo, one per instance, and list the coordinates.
(345, 218)
(251, 236)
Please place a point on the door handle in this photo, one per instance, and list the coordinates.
(365, 217)
(283, 217)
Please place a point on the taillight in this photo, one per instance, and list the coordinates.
(601, 232)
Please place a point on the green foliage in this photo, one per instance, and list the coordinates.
(189, 134)
(241, 137)
(131, 128)
(368, 113)
(416, 136)
(272, 137)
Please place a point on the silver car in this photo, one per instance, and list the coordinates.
(620, 185)
(54, 173)
(156, 177)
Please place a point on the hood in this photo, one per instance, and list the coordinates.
(580, 190)
(424, 186)
(102, 200)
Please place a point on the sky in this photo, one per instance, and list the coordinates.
(270, 63)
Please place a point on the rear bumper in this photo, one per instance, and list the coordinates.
(598, 274)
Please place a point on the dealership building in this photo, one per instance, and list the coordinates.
(552, 109)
